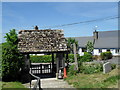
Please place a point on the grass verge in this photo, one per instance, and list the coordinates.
(12, 85)
(96, 80)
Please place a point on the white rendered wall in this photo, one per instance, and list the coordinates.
(80, 52)
(104, 50)
(96, 52)
(114, 52)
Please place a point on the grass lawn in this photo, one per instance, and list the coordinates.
(96, 80)
(12, 85)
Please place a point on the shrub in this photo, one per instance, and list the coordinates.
(87, 57)
(71, 57)
(72, 70)
(113, 66)
(96, 57)
(106, 55)
(91, 68)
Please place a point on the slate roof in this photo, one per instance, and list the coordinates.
(108, 42)
(106, 39)
(38, 41)
(82, 41)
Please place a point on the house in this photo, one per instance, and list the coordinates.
(103, 41)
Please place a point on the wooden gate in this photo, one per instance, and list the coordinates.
(41, 68)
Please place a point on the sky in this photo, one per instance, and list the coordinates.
(25, 15)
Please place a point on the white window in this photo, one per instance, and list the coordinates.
(83, 49)
(117, 51)
(100, 50)
(108, 49)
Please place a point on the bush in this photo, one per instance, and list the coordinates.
(91, 68)
(106, 55)
(96, 57)
(87, 57)
(41, 59)
(72, 70)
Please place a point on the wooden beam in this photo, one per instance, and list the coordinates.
(63, 60)
(53, 63)
(67, 60)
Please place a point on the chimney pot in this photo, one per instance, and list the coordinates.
(36, 27)
(95, 35)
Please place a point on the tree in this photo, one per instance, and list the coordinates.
(11, 58)
(70, 42)
(89, 47)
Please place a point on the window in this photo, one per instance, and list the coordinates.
(108, 50)
(83, 49)
(117, 51)
(100, 50)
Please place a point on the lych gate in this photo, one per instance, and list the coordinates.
(44, 41)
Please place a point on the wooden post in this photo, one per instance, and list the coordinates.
(57, 62)
(52, 62)
(63, 60)
(60, 62)
(40, 68)
(75, 56)
(67, 61)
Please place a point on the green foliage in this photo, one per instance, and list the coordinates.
(41, 59)
(11, 58)
(72, 70)
(13, 85)
(106, 55)
(48, 58)
(87, 57)
(90, 47)
(71, 58)
(113, 79)
(91, 68)
(96, 80)
(70, 42)
(113, 66)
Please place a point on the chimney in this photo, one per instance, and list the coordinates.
(36, 27)
(95, 35)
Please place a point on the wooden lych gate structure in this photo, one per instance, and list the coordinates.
(43, 42)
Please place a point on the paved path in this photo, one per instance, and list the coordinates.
(52, 83)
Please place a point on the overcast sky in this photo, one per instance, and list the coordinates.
(25, 15)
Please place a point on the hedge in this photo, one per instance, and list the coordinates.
(48, 58)
(106, 55)
(41, 59)
(87, 57)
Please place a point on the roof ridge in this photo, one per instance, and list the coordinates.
(80, 36)
(109, 31)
